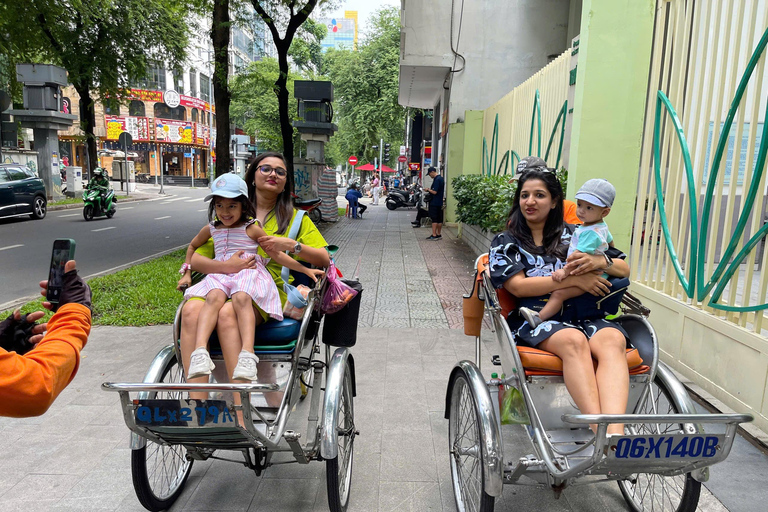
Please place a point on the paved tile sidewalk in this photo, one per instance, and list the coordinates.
(76, 457)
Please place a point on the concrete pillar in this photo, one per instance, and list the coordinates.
(611, 88)
(46, 145)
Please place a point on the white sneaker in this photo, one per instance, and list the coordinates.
(246, 366)
(200, 363)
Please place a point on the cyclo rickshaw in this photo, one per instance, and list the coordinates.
(169, 431)
(659, 462)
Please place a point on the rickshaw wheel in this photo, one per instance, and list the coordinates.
(338, 471)
(160, 472)
(464, 443)
(646, 491)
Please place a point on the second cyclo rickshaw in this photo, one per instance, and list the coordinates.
(659, 462)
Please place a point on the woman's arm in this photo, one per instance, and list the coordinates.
(583, 263)
(256, 233)
(317, 256)
(231, 266)
(521, 286)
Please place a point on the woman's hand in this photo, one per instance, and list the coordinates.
(276, 243)
(314, 273)
(237, 263)
(580, 263)
(591, 283)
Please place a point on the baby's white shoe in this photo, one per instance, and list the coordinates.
(246, 366)
(200, 363)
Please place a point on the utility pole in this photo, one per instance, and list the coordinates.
(381, 153)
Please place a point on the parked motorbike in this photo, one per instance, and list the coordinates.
(96, 205)
(311, 206)
(404, 198)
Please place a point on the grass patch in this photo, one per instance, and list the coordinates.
(141, 295)
(76, 200)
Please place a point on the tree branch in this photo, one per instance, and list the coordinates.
(48, 34)
(267, 19)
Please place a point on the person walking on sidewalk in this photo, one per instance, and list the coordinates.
(436, 203)
(376, 189)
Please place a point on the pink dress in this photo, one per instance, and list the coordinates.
(256, 282)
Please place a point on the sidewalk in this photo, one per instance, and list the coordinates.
(76, 457)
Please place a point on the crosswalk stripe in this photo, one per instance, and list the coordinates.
(11, 247)
(69, 215)
(175, 199)
(103, 229)
(161, 218)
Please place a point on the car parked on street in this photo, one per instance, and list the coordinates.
(21, 192)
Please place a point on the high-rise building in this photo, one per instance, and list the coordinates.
(342, 32)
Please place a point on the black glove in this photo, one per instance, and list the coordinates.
(74, 290)
(15, 334)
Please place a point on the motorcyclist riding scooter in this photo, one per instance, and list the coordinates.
(98, 197)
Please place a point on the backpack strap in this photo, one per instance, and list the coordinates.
(292, 233)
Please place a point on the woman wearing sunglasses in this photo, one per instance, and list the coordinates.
(269, 189)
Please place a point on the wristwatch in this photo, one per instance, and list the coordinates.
(608, 261)
(296, 248)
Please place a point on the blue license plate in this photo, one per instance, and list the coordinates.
(183, 413)
(665, 447)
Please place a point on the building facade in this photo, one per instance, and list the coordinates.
(342, 32)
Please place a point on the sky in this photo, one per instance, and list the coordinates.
(364, 9)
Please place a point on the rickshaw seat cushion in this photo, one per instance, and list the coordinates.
(536, 360)
(277, 332)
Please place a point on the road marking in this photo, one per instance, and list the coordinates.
(161, 218)
(126, 208)
(175, 199)
(69, 215)
(103, 229)
(192, 200)
(203, 210)
(11, 247)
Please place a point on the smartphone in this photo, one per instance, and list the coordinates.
(63, 251)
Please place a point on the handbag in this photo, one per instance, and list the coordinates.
(473, 309)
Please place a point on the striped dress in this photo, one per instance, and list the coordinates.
(256, 282)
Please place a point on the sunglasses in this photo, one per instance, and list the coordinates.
(266, 170)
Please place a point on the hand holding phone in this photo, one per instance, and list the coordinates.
(63, 251)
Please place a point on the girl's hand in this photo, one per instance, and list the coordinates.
(580, 263)
(314, 273)
(184, 282)
(276, 243)
(237, 263)
(591, 283)
(559, 275)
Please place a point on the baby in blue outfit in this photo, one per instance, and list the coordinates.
(593, 203)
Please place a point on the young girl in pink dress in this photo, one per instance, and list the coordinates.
(234, 229)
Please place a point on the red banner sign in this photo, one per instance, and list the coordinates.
(352, 160)
(138, 127)
(414, 166)
(177, 132)
(144, 95)
(192, 102)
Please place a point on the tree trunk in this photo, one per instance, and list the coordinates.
(221, 94)
(286, 129)
(88, 125)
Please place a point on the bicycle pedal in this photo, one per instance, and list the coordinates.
(496, 360)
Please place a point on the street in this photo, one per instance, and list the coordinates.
(76, 456)
(138, 229)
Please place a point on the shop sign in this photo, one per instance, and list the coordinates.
(138, 127)
(144, 95)
(179, 132)
(66, 105)
(171, 98)
(192, 102)
(202, 134)
(414, 166)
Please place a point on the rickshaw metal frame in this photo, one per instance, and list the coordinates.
(548, 459)
(321, 439)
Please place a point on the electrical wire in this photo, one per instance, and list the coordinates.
(455, 51)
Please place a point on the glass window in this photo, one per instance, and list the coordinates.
(155, 78)
(16, 174)
(194, 115)
(178, 81)
(163, 111)
(193, 82)
(205, 87)
(111, 108)
(29, 173)
(3, 176)
(136, 108)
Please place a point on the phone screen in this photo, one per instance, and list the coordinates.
(59, 257)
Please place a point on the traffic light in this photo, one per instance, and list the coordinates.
(386, 151)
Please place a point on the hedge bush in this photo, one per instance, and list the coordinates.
(485, 201)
